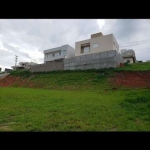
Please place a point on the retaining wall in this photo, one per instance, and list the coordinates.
(49, 66)
(106, 59)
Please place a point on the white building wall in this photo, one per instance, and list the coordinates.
(131, 60)
(115, 44)
(70, 52)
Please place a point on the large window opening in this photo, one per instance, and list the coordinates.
(85, 48)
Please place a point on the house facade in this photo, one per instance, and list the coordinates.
(101, 51)
(7, 70)
(23, 65)
(128, 55)
(58, 53)
(27, 65)
(97, 43)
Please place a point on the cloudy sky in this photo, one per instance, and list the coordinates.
(27, 38)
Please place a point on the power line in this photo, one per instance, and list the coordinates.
(132, 45)
(142, 49)
(134, 42)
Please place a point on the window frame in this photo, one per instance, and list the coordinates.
(95, 44)
(84, 46)
(65, 52)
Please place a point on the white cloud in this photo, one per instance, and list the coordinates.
(27, 38)
(101, 23)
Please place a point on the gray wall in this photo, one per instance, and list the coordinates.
(50, 66)
(70, 51)
(98, 60)
(106, 59)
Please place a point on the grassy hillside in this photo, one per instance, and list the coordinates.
(69, 80)
(74, 101)
(145, 66)
(74, 79)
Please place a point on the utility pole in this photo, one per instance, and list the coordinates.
(16, 57)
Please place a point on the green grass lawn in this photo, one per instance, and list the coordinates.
(76, 100)
(23, 109)
(144, 66)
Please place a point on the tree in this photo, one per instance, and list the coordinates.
(0, 69)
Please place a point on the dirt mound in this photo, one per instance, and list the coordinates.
(132, 79)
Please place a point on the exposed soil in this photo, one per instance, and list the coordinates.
(13, 80)
(132, 79)
(128, 79)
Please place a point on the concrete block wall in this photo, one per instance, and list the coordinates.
(106, 59)
(50, 66)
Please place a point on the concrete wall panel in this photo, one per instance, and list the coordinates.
(51, 66)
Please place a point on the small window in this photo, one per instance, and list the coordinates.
(59, 53)
(64, 52)
(53, 55)
(128, 61)
(95, 45)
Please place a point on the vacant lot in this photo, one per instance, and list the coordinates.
(23, 109)
(90, 100)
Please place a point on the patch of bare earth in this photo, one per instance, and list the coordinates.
(13, 80)
(132, 79)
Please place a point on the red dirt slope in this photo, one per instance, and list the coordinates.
(132, 79)
(14, 80)
(128, 79)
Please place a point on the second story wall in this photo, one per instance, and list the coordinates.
(97, 43)
(71, 51)
(115, 44)
(58, 53)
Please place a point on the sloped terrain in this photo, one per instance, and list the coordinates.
(132, 79)
(80, 79)
(90, 100)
